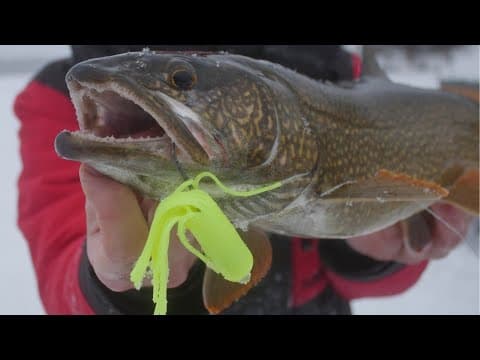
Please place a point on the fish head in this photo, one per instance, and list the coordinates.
(146, 115)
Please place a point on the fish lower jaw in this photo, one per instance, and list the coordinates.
(161, 146)
(89, 135)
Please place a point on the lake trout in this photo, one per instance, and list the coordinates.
(353, 158)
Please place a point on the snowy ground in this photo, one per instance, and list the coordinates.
(449, 286)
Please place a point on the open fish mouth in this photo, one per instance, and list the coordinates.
(115, 115)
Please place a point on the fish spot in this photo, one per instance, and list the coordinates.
(236, 136)
(283, 159)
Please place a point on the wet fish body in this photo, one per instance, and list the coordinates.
(353, 158)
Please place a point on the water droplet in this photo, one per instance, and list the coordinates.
(246, 279)
(140, 64)
(380, 199)
(242, 225)
(306, 125)
(349, 203)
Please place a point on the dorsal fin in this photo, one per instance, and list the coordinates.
(370, 66)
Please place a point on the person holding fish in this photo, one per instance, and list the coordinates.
(319, 243)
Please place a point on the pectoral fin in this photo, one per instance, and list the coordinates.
(387, 186)
(464, 192)
(218, 293)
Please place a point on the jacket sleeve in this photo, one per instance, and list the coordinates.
(355, 276)
(51, 202)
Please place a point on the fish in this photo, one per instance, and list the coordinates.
(353, 157)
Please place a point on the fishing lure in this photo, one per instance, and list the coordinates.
(193, 209)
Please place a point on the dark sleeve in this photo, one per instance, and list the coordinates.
(353, 275)
(340, 258)
(185, 299)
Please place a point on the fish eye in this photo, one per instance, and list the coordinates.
(183, 79)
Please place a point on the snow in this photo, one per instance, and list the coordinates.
(448, 286)
(425, 70)
(28, 58)
(19, 295)
(17, 65)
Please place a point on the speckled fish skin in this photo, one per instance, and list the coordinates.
(252, 122)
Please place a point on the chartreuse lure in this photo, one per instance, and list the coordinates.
(191, 208)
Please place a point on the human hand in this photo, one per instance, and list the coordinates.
(427, 237)
(118, 222)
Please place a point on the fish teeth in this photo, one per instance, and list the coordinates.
(111, 139)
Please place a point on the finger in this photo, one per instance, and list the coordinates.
(390, 244)
(118, 216)
(180, 259)
(382, 245)
(118, 230)
(148, 207)
(115, 277)
(410, 255)
(91, 218)
(437, 238)
(418, 230)
(443, 237)
(417, 238)
(455, 217)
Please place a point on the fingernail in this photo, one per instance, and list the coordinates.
(418, 232)
(418, 243)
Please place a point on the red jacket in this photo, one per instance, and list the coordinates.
(52, 218)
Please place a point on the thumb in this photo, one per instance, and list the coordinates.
(122, 226)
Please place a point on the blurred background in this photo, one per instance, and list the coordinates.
(448, 286)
